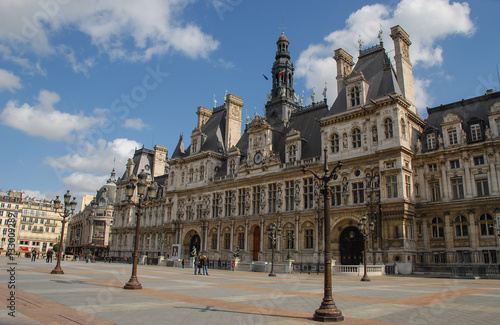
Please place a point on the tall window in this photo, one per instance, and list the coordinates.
(433, 167)
(435, 191)
(392, 186)
(309, 243)
(289, 238)
(358, 192)
(202, 173)
(455, 164)
(241, 201)
(272, 194)
(214, 241)
(461, 229)
(292, 153)
(308, 193)
(227, 203)
(486, 224)
(482, 186)
(437, 228)
(431, 141)
(408, 185)
(475, 132)
(232, 167)
(289, 195)
(388, 128)
(355, 96)
(241, 240)
(457, 187)
(453, 136)
(336, 192)
(215, 205)
(335, 143)
(356, 138)
(256, 199)
(199, 211)
(227, 240)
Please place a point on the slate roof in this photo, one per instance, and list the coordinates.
(378, 72)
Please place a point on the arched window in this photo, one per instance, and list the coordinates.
(356, 138)
(388, 128)
(437, 228)
(486, 223)
(202, 173)
(292, 153)
(461, 226)
(335, 143)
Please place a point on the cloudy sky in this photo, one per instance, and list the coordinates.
(84, 83)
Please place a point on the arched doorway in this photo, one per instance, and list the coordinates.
(351, 246)
(195, 242)
(256, 243)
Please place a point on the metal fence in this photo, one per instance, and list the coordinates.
(460, 270)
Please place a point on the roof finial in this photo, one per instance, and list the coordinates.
(282, 26)
(380, 32)
(215, 102)
(360, 42)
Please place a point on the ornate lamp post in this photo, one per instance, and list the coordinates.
(133, 283)
(69, 207)
(274, 232)
(366, 233)
(328, 311)
(290, 237)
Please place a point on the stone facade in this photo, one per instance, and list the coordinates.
(225, 190)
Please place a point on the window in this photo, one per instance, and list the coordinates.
(475, 132)
(336, 192)
(241, 240)
(272, 194)
(308, 193)
(241, 201)
(355, 96)
(453, 136)
(457, 186)
(433, 167)
(289, 238)
(482, 186)
(358, 191)
(292, 153)
(214, 241)
(199, 212)
(486, 225)
(439, 257)
(454, 164)
(232, 167)
(356, 138)
(479, 160)
(195, 145)
(256, 199)
(461, 226)
(215, 205)
(335, 143)
(437, 228)
(431, 141)
(227, 240)
(289, 195)
(392, 186)
(435, 191)
(388, 128)
(463, 257)
(202, 173)
(309, 238)
(227, 203)
(408, 185)
(490, 257)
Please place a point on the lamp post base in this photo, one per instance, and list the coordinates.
(133, 284)
(272, 274)
(365, 278)
(57, 271)
(328, 312)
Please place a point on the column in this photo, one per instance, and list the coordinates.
(246, 236)
(296, 244)
(218, 236)
(468, 179)
(262, 234)
(444, 182)
(232, 236)
(493, 174)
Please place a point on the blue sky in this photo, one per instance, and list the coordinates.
(84, 83)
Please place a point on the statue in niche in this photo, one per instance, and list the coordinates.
(419, 146)
(374, 134)
(344, 141)
(487, 133)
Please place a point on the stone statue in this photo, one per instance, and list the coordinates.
(419, 146)
(296, 98)
(193, 251)
(215, 102)
(237, 252)
(487, 132)
(324, 92)
(312, 95)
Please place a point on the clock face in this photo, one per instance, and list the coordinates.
(257, 158)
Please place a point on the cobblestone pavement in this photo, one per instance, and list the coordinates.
(92, 293)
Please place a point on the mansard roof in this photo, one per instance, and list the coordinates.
(378, 73)
(143, 159)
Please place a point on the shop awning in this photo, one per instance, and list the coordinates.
(24, 249)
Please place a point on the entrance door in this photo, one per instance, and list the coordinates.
(256, 243)
(195, 242)
(351, 246)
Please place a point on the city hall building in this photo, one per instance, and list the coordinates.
(431, 187)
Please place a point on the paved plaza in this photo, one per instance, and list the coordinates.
(92, 293)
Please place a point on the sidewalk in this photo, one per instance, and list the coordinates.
(92, 293)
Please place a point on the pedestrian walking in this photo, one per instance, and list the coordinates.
(49, 255)
(33, 255)
(183, 262)
(205, 265)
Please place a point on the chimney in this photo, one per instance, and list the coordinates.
(234, 105)
(344, 67)
(403, 64)
(203, 115)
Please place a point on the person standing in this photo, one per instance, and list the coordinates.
(205, 265)
(49, 255)
(197, 263)
(33, 255)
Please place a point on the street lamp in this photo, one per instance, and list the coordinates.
(290, 237)
(133, 283)
(69, 207)
(328, 311)
(366, 233)
(274, 232)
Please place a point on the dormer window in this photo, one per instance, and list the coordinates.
(431, 141)
(453, 136)
(292, 153)
(195, 145)
(475, 132)
(232, 167)
(355, 96)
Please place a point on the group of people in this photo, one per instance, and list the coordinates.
(48, 258)
(201, 262)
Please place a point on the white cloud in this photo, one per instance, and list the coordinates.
(42, 119)
(9, 81)
(84, 183)
(426, 21)
(126, 29)
(136, 124)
